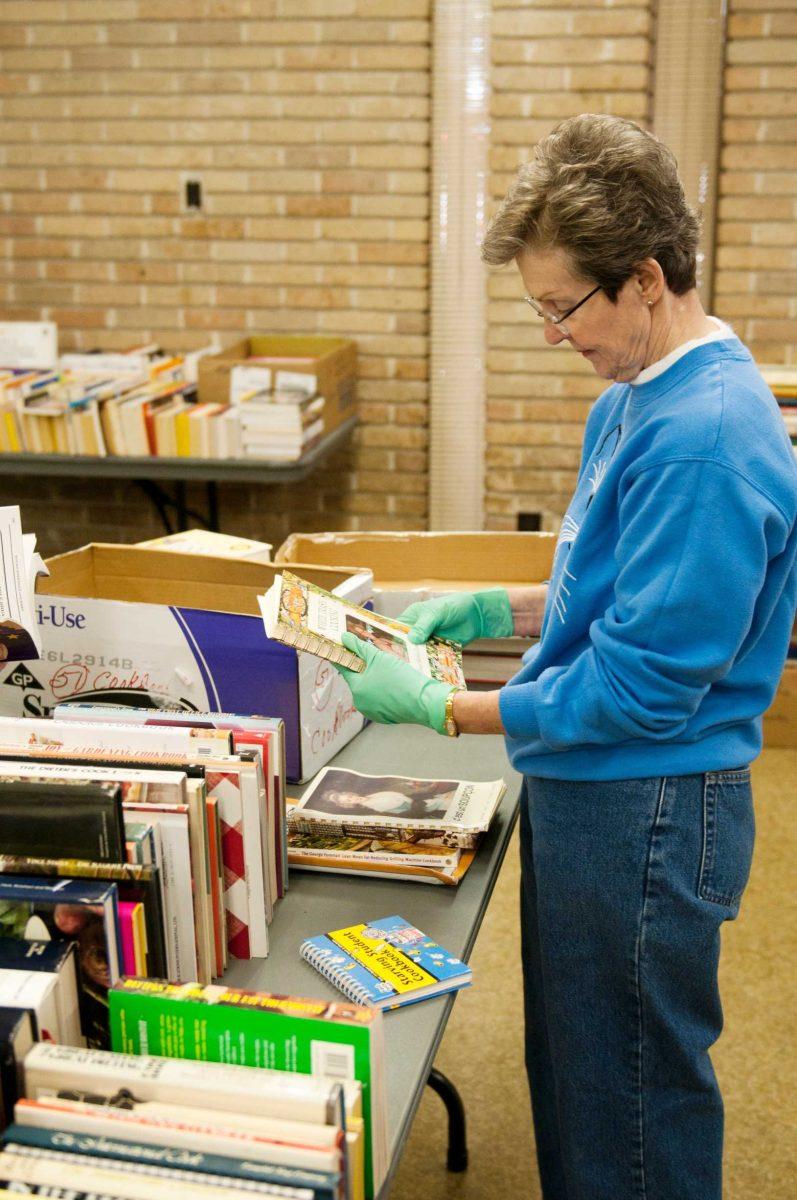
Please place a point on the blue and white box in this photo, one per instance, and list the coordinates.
(147, 628)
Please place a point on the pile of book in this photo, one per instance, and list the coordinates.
(279, 415)
(208, 1092)
(144, 403)
(166, 829)
(421, 830)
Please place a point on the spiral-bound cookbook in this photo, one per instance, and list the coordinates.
(385, 963)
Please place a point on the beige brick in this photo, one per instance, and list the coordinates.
(567, 51)
(782, 51)
(773, 102)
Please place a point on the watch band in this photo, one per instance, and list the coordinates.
(449, 722)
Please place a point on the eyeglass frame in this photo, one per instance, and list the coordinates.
(559, 320)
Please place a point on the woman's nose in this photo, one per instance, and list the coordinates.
(554, 334)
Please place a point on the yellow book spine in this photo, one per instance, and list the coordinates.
(183, 432)
(12, 433)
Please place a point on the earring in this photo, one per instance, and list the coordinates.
(650, 303)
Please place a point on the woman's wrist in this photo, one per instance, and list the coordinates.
(528, 608)
(477, 712)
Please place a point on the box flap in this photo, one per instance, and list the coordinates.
(410, 560)
(104, 571)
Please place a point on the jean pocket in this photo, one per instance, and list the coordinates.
(728, 836)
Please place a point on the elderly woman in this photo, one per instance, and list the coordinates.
(635, 718)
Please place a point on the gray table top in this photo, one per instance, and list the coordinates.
(316, 903)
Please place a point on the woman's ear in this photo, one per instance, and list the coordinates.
(648, 281)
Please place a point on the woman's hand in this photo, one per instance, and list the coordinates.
(392, 692)
(461, 616)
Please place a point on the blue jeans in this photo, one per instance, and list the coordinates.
(624, 887)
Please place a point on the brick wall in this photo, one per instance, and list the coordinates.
(550, 61)
(756, 267)
(310, 135)
(308, 126)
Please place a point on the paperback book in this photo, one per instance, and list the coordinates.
(427, 861)
(349, 803)
(385, 963)
(302, 615)
(20, 565)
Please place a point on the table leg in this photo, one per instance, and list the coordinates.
(457, 1140)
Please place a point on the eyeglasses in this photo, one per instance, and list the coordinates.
(558, 318)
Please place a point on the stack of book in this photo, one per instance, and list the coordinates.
(173, 837)
(422, 830)
(208, 1092)
(280, 416)
(143, 403)
(91, 404)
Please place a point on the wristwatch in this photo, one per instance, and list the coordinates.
(449, 722)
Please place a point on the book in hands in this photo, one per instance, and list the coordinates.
(302, 615)
(385, 964)
(340, 801)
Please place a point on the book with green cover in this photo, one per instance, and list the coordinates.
(259, 1029)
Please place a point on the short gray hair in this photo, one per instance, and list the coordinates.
(606, 192)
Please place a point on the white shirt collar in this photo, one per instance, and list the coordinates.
(658, 368)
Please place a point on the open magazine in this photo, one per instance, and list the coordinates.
(20, 564)
(347, 803)
(304, 616)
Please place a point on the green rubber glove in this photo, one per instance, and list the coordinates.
(461, 616)
(392, 692)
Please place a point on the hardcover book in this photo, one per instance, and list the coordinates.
(260, 1029)
(386, 963)
(80, 910)
(304, 616)
(57, 960)
(349, 803)
(134, 881)
(122, 1145)
(62, 816)
(16, 1039)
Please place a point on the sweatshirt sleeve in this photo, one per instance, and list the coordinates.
(694, 540)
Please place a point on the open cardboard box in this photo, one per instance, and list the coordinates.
(417, 566)
(333, 362)
(126, 625)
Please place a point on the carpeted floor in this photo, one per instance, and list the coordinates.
(755, 1058)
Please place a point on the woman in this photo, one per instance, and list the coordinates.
(634, 719)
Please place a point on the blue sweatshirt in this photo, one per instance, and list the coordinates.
(674, 582)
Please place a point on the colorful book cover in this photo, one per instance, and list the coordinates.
(127, 1149)
(302, 615)
(258, 1029)
(81, 910)
(386, 963)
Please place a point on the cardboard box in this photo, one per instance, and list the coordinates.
(417, 566)
(126, 625)
(332, 360)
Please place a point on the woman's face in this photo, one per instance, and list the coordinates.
(614, 338)
(345, 799)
